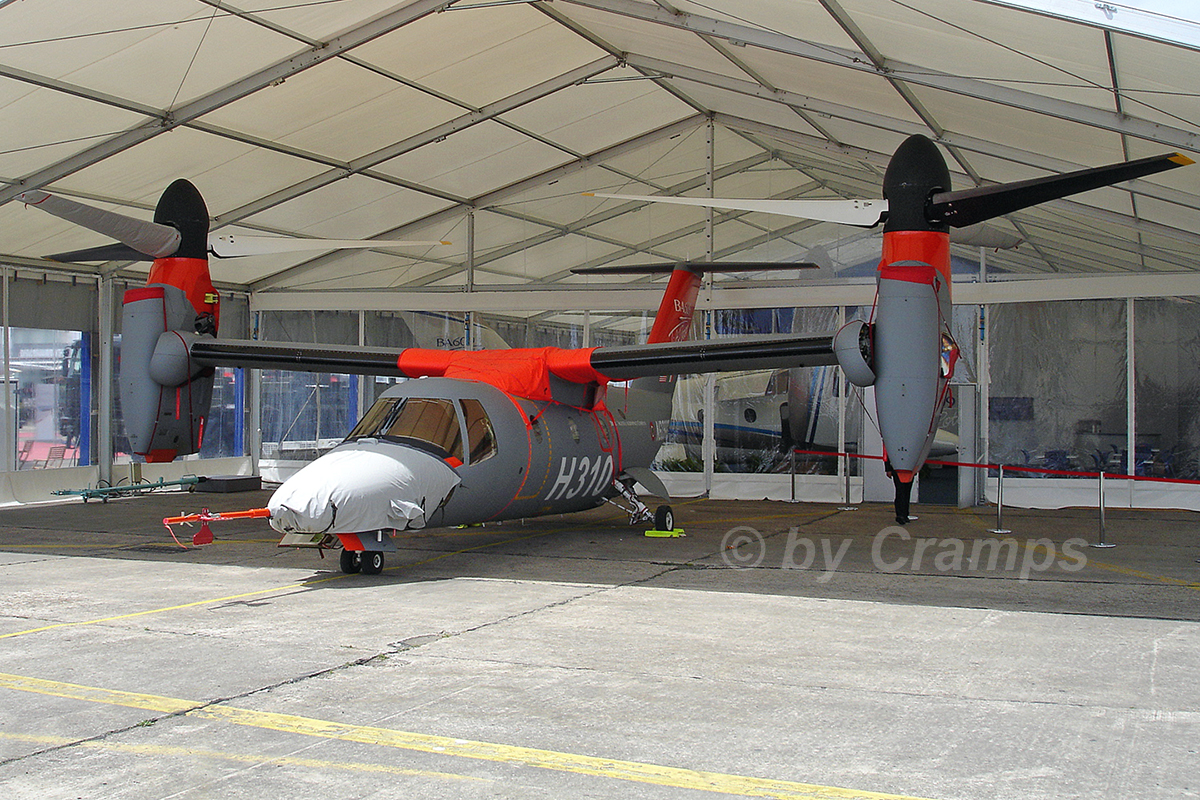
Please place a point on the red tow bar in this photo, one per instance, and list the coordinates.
(205, 535)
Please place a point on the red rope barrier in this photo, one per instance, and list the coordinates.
(1012, 468)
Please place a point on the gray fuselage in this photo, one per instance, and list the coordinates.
(520, 458)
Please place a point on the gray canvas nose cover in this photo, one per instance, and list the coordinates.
(366, 485)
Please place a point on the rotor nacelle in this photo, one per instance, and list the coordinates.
(164, 400)
(854, 349)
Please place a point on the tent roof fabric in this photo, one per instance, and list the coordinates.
(483, 122)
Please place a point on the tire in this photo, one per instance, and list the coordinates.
(372, 562)
(351, 561)
(664, 519)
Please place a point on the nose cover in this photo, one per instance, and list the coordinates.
(366, 485)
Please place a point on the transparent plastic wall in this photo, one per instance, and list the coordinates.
(48, 398)
(855, 410)
(1058, 387)
(51, 380)
(612, 328)
(228, 415)
(397, 330)
(303, 414)
(549, 329)
(964, 326)
(1167, 387)
(55, 375)
(760, 415)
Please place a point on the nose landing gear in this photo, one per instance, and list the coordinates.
(372, 562)
(367, 562)
(351, 562)
(363, 552)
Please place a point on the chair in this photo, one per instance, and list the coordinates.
(1143, 459)
(1166, 460)
(1058, 460)
(56, 455)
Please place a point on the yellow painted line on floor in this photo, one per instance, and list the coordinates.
(1137, 573)
(631, 771)
(191, 753)
(18, 549)
(149, 612)
(257, 592)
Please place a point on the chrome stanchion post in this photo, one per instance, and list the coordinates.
(847, 506)
(1000, 504)
(793, 471)
(1102, 543)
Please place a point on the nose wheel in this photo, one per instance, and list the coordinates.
(351, 562)
(372, 562)
(368, 563)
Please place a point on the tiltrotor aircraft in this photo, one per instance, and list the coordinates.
(504, 434)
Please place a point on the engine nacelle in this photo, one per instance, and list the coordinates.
(853, 347)
(164, 402)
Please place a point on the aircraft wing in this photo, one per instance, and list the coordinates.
(598, 364)
(298, 357)
(714, 355)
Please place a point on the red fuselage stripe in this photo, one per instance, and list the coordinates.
(930, 247)
(190, 275)
(143, 293)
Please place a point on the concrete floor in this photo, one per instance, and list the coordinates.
(778, 650)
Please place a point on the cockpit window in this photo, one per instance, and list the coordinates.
(373, 419)
(481, 439)
(430, 424)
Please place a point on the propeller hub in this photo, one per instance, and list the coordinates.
(182, 207)
(916, 172)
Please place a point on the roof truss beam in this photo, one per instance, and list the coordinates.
(235, 91)
(970, 143)
(622, 209)
(898, 70)
(454, 213)
(430, 136)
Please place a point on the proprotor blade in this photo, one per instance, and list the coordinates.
(697, 266)
(234, 246)
(969, 206)
(153, 239)
(863, 213)
(105, 252)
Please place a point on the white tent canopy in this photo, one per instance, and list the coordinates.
(483, 123)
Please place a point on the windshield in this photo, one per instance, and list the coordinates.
(431, 425)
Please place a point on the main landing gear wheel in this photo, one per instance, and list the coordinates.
(351, 561)
(372, 563)
(664, 519)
